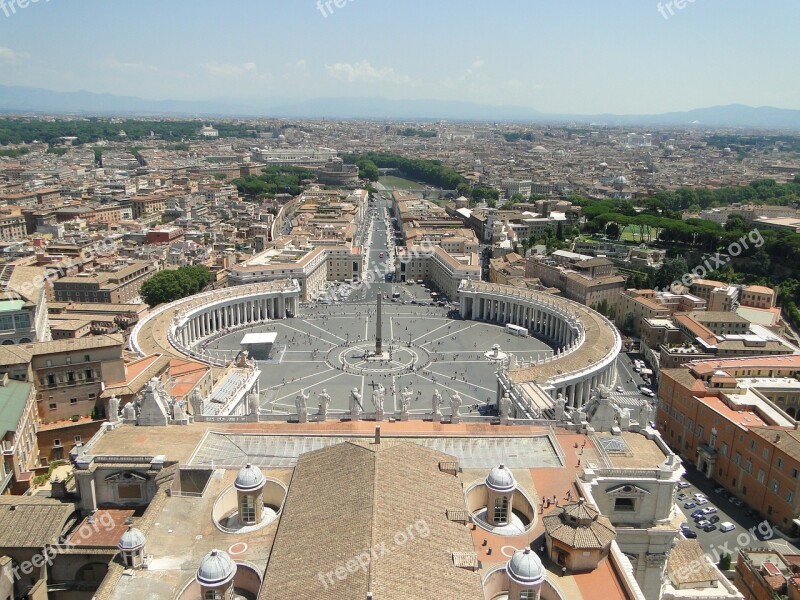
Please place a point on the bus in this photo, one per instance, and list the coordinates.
(516, 330)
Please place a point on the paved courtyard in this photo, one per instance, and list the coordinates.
(325, 348)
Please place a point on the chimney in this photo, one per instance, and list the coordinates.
(377, 434)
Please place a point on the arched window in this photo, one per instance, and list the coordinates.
(527, 595)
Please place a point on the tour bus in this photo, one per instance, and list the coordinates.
(516, 330)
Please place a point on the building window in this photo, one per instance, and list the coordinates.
(73, 400)
(56, 442)
(752, 444)
(724, 449)
(248, 509)
(213, 595)
(779, 463)
(77, 439)
(790, 496)
(737, 458)
(795, 473)
(760, 476)
(765, 453)
(748, 466)
(527, 595)
(775, 486)
(53, 406)
(48, 363)
(625, 504)
(501, 509)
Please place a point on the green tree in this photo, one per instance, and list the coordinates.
(168, 286)
(672, 270)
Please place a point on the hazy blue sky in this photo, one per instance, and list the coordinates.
(579, 56)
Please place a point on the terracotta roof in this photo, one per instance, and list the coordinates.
(371, 498)
(687, 564)
(31, 522)
(579, 525)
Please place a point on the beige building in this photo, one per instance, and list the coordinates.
(437, 268)
(587, 280)
(119, 284)
(719, 296)
(18, 425)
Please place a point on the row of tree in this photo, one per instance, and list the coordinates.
(168, 286)
(19, 131)
(275, 180)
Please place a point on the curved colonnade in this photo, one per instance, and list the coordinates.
(179, 327)
(586, 344)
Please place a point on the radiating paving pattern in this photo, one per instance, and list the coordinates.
(235, 450)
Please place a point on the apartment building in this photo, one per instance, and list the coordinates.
(757, 296)
(583, 279)
(732, 419)
(719, 296)
(119, 284)
(437, 268)
(148, 205)
(634, 306)
(309, 266)
(708, 334)
(18, 426)
(12, 224)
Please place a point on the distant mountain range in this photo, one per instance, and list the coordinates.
(14, 99)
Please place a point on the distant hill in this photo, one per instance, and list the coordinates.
(15, 99)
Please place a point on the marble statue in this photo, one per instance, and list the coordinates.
(436, 403)
(113, 409)
(455, 403)
(378, 395)
(505, 406)
(324, 401)
(355, 402)
(300, 402)
(405, 400)
(129, 412)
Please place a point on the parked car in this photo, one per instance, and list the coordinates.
(689, 504)
(709, 527)
(681, 496)
(683, 484)
(714, 519)
(702, 524)
(709, 510)
(719, 490)
(620, 389)
(726, 527)
(698, 495)
(689, 534)
(701, 501)
(698, 513)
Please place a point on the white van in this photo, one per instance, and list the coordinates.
(726, 527)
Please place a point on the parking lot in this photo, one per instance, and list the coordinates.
(750, 529)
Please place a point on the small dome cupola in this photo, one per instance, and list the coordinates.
(216, 569)
(526, 568)
(249, 478)
(500, 479)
